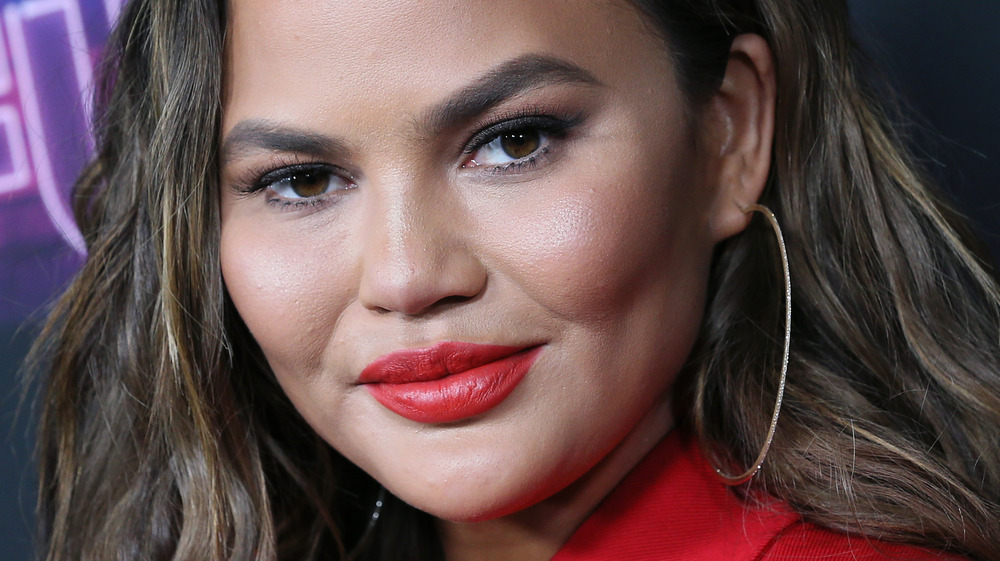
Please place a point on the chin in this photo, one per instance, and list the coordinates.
(479, 510)
(471, 501)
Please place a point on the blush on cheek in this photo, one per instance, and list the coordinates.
(275, 294)
(588, 255)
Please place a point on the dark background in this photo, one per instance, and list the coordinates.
(942, 57)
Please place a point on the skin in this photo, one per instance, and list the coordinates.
(599, 251)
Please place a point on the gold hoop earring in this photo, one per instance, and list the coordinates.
(755, 467)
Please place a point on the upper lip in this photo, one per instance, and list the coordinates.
(433, 362)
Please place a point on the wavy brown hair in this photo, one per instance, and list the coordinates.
(164, 436)
(890, 426)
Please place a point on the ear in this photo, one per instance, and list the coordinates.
(738, 132)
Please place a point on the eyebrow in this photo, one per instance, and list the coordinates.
(509, 79)
(260, 134)
(505, 81)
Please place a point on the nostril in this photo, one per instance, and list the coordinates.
(442, 304)
(452, 300)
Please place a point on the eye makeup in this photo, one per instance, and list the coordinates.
(527, 125)
(290, 182)
(293, 181)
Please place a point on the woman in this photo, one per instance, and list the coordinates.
(498, 258)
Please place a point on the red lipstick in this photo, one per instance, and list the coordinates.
(447, 382)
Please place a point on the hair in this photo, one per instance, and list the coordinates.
(163, 434)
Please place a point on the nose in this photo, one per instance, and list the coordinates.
(418, 256)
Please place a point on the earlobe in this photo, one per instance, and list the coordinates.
(739, 134)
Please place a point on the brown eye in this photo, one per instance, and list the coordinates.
(520, 144)
(511, 147)
(309, 183)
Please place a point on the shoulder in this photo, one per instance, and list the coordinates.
(803, 540)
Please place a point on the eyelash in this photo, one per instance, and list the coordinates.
(259, 178)
(555, 126)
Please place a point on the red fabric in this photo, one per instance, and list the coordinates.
(672, 507)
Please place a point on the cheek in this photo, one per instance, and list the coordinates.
(613, 238)
(285, 291)
(574, 256)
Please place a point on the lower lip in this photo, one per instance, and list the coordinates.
(459, 396)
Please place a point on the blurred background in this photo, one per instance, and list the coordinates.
(942, 57)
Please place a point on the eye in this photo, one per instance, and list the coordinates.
(510, 147)
(519, 143)
(306, 181)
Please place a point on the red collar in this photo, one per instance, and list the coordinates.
(672, 506)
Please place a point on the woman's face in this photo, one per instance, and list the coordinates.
(405, 182)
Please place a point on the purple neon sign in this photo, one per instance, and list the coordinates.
(48, 49)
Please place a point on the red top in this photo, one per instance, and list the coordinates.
(672, 506)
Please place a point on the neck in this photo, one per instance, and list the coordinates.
(537, 532)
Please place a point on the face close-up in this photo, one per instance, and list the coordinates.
(511, 194)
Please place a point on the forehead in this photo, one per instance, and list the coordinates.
(338, 53)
